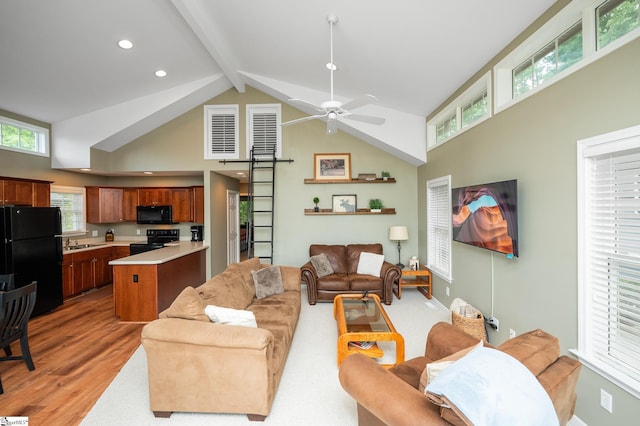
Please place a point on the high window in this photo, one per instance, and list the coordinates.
(24, 137)
(609, 256)
(221, 132)
(263, 130)
(556, 56)
(614, 19)
(71, 202)
(439, 226)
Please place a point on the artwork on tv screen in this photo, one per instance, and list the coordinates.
(487, 216)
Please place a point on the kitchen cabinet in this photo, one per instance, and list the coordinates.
(181, 199)
(104, 204)
(197, 207)
(84, 270)
(67, 276)
(41, 194)
(155, 196)
(118, 252)
(129, 203)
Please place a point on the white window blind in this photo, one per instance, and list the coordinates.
(263, 123)
(71, 203)
(439, 226)
(609, 261)
(221, 132)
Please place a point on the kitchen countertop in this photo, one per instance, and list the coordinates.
(98, 244)
(169, 252)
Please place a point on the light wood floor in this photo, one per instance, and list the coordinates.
(77, 350)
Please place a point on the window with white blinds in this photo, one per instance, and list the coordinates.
(71, 202)
(263, 128)
(609, 255)
(439, 226)
(221, 132)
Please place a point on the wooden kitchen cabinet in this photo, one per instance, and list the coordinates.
(84, 270)
(67, 276)
(155, 196)
(197, 206)
(104, 204)
(129, 203)
(118, 252)
(181, 199)
(41, 194)
(24, 192)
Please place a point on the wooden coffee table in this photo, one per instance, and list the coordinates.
(364, 320)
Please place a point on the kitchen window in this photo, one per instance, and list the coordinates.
(71, 202)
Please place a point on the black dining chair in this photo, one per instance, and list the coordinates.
(6, 282)
(15, 309)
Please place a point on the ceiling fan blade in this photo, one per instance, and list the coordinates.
(361, 101)
(332, 126)
(300, 120)
(365, 118)
(307, 104)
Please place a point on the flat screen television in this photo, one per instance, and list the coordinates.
(486, 216)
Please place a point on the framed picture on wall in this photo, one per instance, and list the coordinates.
(345, 203)
(332, 166)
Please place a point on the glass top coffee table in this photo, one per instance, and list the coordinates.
(364, 320)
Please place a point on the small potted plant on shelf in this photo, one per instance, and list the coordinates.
(375, 205)
(386, 175)
(316, 200)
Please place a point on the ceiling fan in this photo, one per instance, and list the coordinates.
(332, 109)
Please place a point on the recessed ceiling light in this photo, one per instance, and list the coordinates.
(161, 73)
(332, 67)
(125, 44)
(86, 170)
(148, 173)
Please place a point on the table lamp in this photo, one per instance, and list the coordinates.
(398, 233)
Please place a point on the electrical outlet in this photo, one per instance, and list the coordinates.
(137, 232)
(512, 333)
(606, 400)
(447, 290)
(494, 323)
(94, 233)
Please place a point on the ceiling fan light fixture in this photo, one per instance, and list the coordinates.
(331, 66)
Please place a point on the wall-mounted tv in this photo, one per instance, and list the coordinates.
(487, 216)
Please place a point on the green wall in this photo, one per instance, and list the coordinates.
(535, 142)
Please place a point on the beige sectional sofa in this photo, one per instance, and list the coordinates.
(196, 365)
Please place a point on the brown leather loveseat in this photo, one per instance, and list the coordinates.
(345, 279)
(392, 397)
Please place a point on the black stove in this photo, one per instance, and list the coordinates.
(156, 239)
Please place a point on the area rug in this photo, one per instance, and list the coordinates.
(309, 392)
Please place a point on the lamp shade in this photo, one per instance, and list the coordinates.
(398, 233)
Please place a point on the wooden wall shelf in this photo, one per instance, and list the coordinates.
(329, 212)
(377, 180)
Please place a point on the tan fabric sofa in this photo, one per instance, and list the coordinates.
(391, 397)
(345, 279)
(196, 365)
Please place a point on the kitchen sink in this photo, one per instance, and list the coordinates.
(82, 246)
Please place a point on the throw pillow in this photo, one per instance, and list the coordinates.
(322, 265)
(268, 281)
(432, 369)
(230, 316)
(370, 264)
(188, 305)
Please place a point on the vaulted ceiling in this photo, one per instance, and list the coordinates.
(60, 62)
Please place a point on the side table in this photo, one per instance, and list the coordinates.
(421, 279)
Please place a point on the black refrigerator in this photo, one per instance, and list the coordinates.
(31, 249)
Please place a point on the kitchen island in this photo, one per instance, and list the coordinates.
(145, 284)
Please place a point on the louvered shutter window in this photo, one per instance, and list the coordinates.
(609, 261)
(439, 226)
(264, 129)
(221, 132)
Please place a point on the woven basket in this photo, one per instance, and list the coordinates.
(473, 325)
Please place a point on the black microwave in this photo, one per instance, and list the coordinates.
(154, 215)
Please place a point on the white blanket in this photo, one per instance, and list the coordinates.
(490, 387)
(230, 316)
